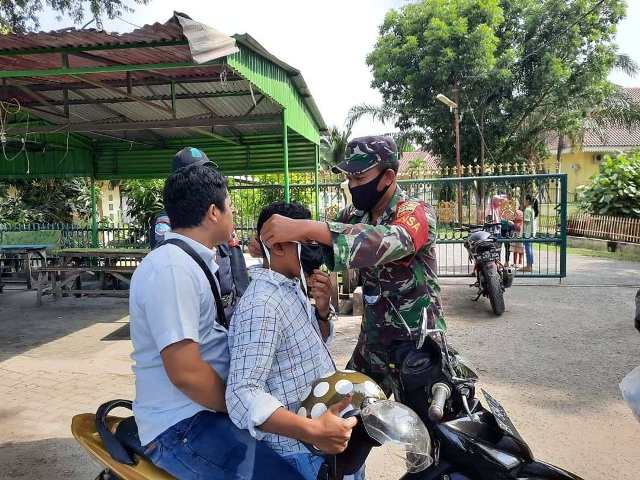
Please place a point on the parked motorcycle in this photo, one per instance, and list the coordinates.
(492, 277)
(466, 440)
(444, 431)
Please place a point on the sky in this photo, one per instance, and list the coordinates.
(327, 40)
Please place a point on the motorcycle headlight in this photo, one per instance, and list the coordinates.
(396, 425)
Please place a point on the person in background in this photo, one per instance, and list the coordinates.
(232, 272)
(518, 249)
(507, 229)
(528, 231)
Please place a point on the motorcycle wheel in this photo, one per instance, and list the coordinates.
(493, 288)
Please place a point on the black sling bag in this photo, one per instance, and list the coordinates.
(186, 248)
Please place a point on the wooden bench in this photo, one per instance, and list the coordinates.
(20, 250)
(60, 281)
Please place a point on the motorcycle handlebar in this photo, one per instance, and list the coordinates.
(441, 393)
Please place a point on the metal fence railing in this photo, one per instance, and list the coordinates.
(465, 200)
(618, 229)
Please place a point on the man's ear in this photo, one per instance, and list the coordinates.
(388, 177)
(278, 249)
(213, 213)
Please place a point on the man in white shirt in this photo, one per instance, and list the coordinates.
(180, 344)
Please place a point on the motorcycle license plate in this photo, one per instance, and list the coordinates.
(502, 419)
(489, 256)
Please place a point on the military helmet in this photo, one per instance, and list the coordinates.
(332, 388)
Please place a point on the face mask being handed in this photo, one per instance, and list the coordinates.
(311, 257)
(366, 196)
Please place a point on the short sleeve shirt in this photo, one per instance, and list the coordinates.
(170, 301)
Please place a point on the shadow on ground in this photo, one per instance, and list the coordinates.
(24, 326)
(52, 458)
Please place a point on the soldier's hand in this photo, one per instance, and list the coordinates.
(331, 433)
(254, 248)
(320, 287)
(280, 229)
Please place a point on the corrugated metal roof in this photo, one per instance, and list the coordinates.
(73, 37)
(210, 91)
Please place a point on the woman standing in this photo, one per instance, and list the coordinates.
(530, 216)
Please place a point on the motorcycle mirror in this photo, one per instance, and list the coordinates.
(424, 330)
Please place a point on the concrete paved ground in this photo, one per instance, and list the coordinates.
(554, 360)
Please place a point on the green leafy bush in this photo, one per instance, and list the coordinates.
(144, 200)
(615, 191)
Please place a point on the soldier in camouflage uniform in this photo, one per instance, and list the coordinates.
(391, 239)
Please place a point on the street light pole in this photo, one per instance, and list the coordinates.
(454, 107)
(456, 115)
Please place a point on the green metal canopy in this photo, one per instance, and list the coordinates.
(108, 106)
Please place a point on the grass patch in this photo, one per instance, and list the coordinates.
(585, 252)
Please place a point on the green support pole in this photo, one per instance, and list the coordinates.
(563, 226)
(94, 215)
(285, 148)
(317, 171)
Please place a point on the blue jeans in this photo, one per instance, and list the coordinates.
(208, 446)
(309, 466)
(528, 249)
(306, 463)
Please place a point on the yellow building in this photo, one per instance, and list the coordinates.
(582, 160)
(110, 203)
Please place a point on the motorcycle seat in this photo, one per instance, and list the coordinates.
(127, 433)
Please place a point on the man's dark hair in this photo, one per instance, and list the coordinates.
(291, 210)
(189, 192)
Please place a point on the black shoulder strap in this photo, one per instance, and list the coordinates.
(222, 318)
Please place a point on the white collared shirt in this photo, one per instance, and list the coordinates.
(170, 301)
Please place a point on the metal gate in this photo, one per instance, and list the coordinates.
(467, 199)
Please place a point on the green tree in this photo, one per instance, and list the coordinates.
(518, 69)
(22, 15)
(45, 201)
(615, 190)
(144, 200)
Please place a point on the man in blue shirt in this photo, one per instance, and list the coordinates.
(232, 270)
(180, 348)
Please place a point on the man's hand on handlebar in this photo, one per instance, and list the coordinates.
(330, 433)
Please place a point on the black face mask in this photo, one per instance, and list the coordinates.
(311, 257)
(366, 196)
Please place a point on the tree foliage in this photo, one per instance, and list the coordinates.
(45, 201)
(144, 200)
(22, 15)
(518, 68)
(615, 190)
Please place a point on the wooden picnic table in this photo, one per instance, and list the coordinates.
(23, 253)
(64, 277)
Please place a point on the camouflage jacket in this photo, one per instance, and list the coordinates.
(397, 263)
